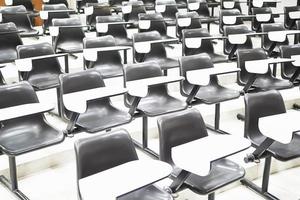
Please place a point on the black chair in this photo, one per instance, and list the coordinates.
(109, 64)
(101, 114)
(263, 5)
(203, 11)
(157, 53)
(98, 10)
(19, 16)
(70, 36)
(205, 47)
(137, 7)
(83, 3)
(29, 7)
(157, 23)
(262, 81)
(288, 69)
(264, 104)
(288, 22)
(118, 31)
(225, 5)
(195, 22)
(213, 93)
(56, 2)
(186, 126)
(158, 100)
(9, 40)
(230, 49)
(118, 145)
(61, 13)
(149, 4)
(169, 11)
(272, 47)
(256, 25)
(181, 4)
(231, 12)
(20, 135)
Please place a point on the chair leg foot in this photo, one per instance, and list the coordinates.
(212, 128)
(240, 117)
(147, 150)
(18, 193)
(296, 106)
(211, 196)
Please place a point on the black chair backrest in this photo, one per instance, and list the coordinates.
(9, 40)
(206, 45)
(236, 5)
(236, 29)
(58, 2)
(26, 3)
(266, 42)
(102, 152)
(99, 10)
(203, 9)
(171, 8)
(104, 58)
(116, 30)
(194, 62)
(18, 15)
(157, 23)
(195, 22)
(137, 7)
(83, 3)
(231, 12)
(72, 34)
(288, 69)
(258, 105)
(256, 25)
(83, 80)
(157, 50)
(244, 55)
(288, 22)
(54, 15)
(49, 65)
(171, 128)
(141, 71)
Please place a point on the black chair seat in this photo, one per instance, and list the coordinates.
(98, 118)
(148, 193)
(109, 70)
(206, 20)
(7, 55)
(28, 32)
(213, 93)
(70, 47)
(25, 136)
(222, 173)
(123, 41)
(155, 105)
(165, 63)
(282, 152)
(44, 81)
(217, 58)
(271, 83)
(170, 21)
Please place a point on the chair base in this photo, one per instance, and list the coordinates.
(258, 190)
(12, 185)
(147, 150)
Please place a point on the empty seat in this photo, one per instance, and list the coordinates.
(267, 44)
(290, 23)
(256, 24)
(118, 31)
(194, 23)
(288, 69)
(157, 23)
(57, 2)
(168, 9)
(132, 15)
(9, 40)
(230, 49)
(108, 63)
(157, 52)
(98, 10)
(61, 13)
(19, 16)
(23, 132)
(103, 152)
(229, 5)
(186, 126)
(83, 3)
(201, 7)
(205, 47)
(45, 72)
(70, 36)
(231, 12)
(100, 114)
(263, 81)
